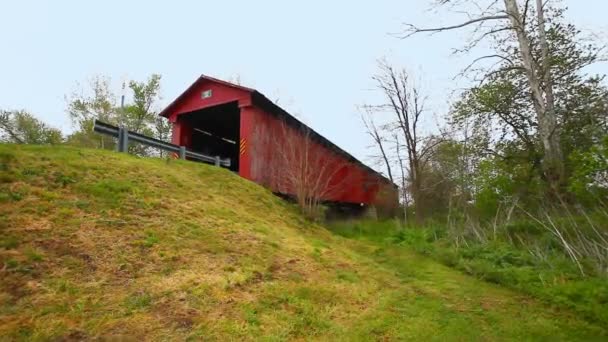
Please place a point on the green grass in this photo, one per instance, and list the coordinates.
(96, 244)
(553, 279)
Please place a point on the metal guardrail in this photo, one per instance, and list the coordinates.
(125, 136)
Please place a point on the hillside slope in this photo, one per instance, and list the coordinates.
(100, 244)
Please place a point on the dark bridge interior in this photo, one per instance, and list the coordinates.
(216, 131)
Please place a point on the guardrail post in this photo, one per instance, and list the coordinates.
(119, 141)
(123, 140)
(182, 152)
(217, 160)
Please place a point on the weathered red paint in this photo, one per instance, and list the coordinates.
(355, 183)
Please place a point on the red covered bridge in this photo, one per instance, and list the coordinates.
(269, 146)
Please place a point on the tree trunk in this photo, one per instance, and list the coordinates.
(543, 100)
(403, 179)
(553, 161)
(417, 193)
(418, 202)
(387, 163)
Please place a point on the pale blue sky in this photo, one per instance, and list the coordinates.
(316, 56)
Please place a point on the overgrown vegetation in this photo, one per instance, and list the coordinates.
(527, 255)
(97, 244)
(531, 131)
(513, 189)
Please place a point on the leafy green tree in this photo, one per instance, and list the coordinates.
(584, 116)
(140, 115)
(526, 81)
(101, 103)
(502, 105)
(590, 176)
(21, 127)
(84, 107)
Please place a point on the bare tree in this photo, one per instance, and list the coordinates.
(367, 117)
(407, 106)
(296, 166)
(402, 168)
(494, 19)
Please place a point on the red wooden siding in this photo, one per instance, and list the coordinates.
(262, 132)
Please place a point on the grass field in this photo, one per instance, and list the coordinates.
(96, 244)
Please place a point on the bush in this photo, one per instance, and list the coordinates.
(589, 181)
(552, 277)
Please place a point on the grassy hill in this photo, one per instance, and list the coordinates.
(96, 244)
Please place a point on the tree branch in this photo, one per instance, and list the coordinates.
(415, 29)
(465, 70)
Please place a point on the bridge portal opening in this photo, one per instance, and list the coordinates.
(216, 131)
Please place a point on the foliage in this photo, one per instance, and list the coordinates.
(499, 117)
(83, 109)
(101, 103)
(495, 147)
(22, 127)
(590, 176)
(138, 115)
